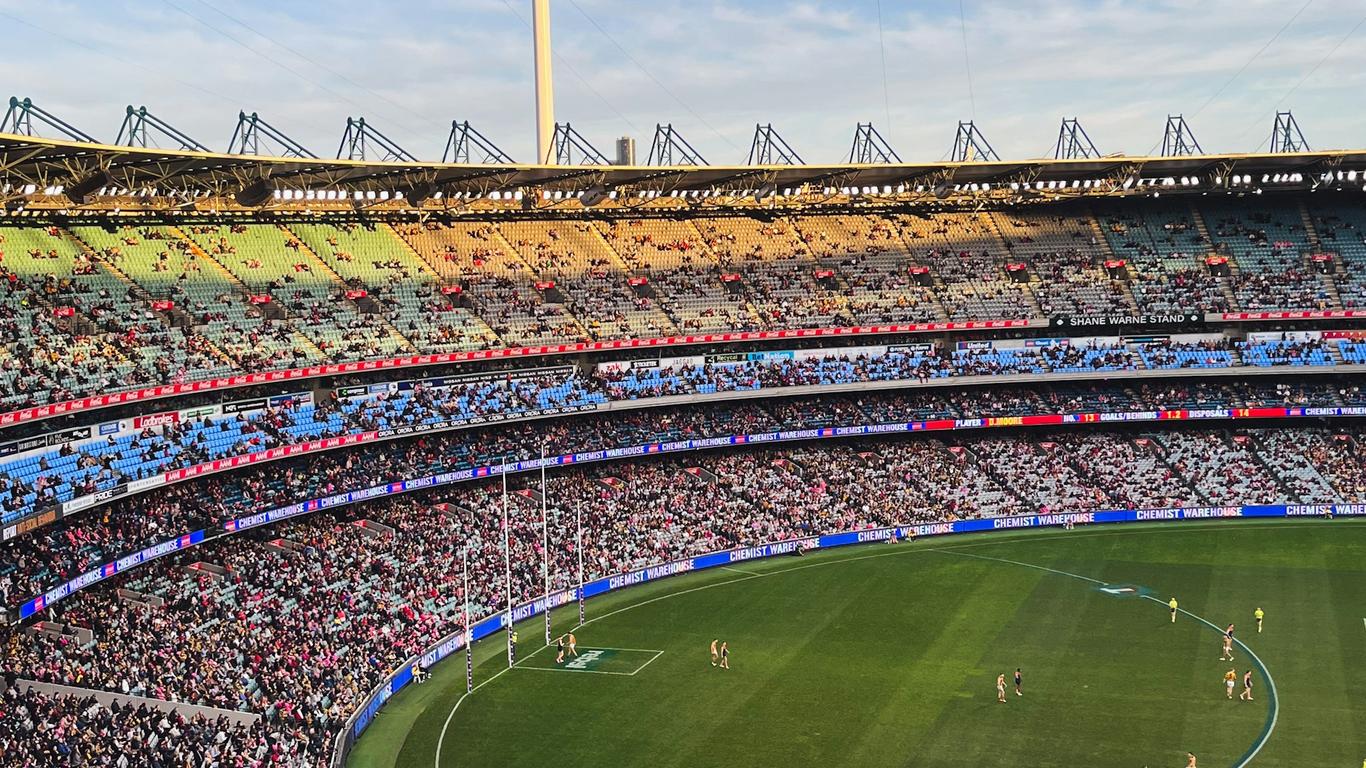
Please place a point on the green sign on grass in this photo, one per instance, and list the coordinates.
(590, 660)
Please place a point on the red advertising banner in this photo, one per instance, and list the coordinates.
(1325, 314)
(412, 361)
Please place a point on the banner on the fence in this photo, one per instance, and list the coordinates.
(585, 457)
(493, 624)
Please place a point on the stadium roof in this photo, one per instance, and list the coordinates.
(42, 174)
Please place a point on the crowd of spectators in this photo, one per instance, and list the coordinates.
(102, 308)
(34, 562)
(38, 729)
(298, 622)
(34, 483)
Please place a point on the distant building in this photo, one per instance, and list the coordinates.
(626, 151)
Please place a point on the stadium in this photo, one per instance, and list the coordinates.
(973, 462)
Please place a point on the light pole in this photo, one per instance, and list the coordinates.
(507, 565)
(578, 520)
(545, 90)
(545, 547)
(469, 632)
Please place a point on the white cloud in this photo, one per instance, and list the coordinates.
(811, 68)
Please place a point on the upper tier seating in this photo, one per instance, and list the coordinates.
(96, 308)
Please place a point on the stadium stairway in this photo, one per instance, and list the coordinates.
(1311, 232)
(939, 288)
(82, 323)
(1102, 242)
(446, 278)
(702, 244)
(403, 341)
(842, 291)
(627, 271)
(1296, 473)
(1198, 219)
(418, 257)
(1330, 285)
(273, 310)
(223, 272)
(996, 476)
(513, 254)
(110, 267)
(1107, 253)
(1277, 474)
(936, 281)
(1225, 286)
(1031, 297)
(176, 317)
(1235, 352)
(1160, 453)
(700, 475)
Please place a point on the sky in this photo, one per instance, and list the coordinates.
(712, 68)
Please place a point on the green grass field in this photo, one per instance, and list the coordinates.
(886, 655)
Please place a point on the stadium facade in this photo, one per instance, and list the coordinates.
(215, 362)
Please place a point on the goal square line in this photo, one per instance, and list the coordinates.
(623, 662)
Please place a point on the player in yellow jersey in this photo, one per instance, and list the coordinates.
(1258, 615)
(573, 645)
(1172, 605)
(1230, 677)
(1001, 688)
(1190, 760)
(715, 654)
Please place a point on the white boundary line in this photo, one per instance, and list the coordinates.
(995, 540)
(736, 570)
(1275, 700)
(445, 726)
(648, 663)
(1031, 565)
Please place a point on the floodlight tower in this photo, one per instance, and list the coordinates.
(1177, 139)
(1286, 135)
(545, 90)
(1073, 143)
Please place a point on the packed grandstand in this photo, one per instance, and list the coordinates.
(155, 304)
(244, 454)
